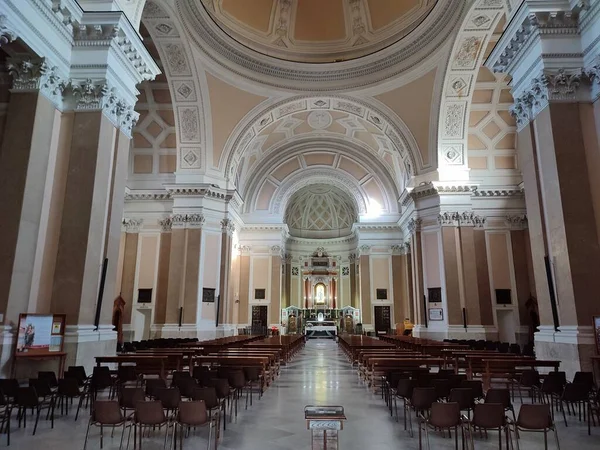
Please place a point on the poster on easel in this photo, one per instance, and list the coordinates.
(40, 334)
(597, 333)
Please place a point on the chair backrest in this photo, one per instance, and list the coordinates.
(534, 417)
(154, 383)
(456, 379)
(530, 378)
(150, 413)
(463, 396)
(489, 415)
(475, 385)
(9, 387)
(129, 397)
(50, 377)
(27, 397)
(422, 398)
(192, 413)
(169, 397)
(69, 387)
(79, 370)
(208, 395)
(126, 373)
(444, 415)
(186, 386)
(107, 412)
(236, 379)
(179, 374)
(252, 373)
(442, 387)
(496, 395)
(575, 392)
(584, 378)
(42, 387)
(101, 378)
(405, 387)
(221, 385)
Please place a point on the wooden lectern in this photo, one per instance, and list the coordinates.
(324, 423)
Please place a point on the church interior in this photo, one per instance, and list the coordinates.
(337, 204)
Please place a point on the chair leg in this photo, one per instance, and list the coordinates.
(556, 438)
(37, 419)
(564, 415)
(87, 434)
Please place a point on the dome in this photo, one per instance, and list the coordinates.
(320, 211)
(318, 31)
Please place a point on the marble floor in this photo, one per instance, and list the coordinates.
(320, 375)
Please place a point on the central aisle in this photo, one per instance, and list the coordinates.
(320, 374)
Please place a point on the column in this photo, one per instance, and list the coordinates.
(227, 229)
(130, 253)
(483, 281)
(365, 286)
(32, 162)
(353, 282)
(183, 297)
(521, 254)
(417, 284)
(453, 282)
(162, 281)
(244, 305)
(287, 282)
(401, 283)
(306, 292)
(334, 292)
(558, 146)
(275, 285)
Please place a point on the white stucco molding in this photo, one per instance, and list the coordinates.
(91, 60)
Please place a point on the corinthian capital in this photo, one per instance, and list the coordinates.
(32, 74)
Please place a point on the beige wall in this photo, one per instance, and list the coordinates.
(210, 275)
(499, 261)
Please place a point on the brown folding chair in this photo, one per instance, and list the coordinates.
(443, 416)
(106, 413)
(149, 415)
(535, 418)
(489, 416)
(192, 414)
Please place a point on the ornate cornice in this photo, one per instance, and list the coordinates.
(198, 191)
(191, 221)
(7, 35)
(147, 196)
(133, 225)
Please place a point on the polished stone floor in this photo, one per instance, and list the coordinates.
(320, 375)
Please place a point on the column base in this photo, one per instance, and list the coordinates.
(7, 347)
(573, 346)
(83, 344)
(203, 331)
(487, 332)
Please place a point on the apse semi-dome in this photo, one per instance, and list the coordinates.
(320, 211)
(318, 31)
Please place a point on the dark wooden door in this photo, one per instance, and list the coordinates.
(382, 318)
(259, 320)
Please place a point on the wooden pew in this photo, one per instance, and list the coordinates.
(509, 369)
(144, 364)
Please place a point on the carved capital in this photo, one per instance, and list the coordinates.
(364, 250)
(227, 226)
(352, 257)
(188, 221)
(518, 222)
(166, 224)
(31, 74)
(449, 219)
(245, 249)
(133, 225)
(400, 249)
(414, 225)
(469, 218)
(276, 250)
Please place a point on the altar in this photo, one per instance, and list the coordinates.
(320, 329)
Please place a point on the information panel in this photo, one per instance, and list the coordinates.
(40, 334)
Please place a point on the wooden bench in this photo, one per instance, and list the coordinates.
(509, 369)
(144, 364)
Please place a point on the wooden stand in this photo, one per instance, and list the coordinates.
(324, 422)
(61, 356)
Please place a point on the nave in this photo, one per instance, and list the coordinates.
(320, 374)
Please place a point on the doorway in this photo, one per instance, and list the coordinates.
(382, 319)
(259, 319)
(506, 325)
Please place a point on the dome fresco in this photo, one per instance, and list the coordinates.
(320, 211)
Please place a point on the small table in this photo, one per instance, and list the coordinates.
(324, 423)
(61, 356)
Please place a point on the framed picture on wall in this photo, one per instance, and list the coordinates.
(434, 295)
(259, 294)
(381, 294)
(597, 333)
(208, 295)
(436, 314)
(503, 297)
